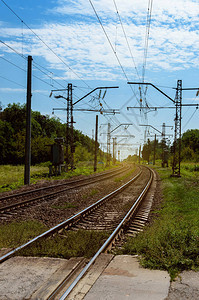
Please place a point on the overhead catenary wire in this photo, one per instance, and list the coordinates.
(25, 58)
(13, 81)
(131, 54)
(148, 24)
(111, 45)
(13, 64)
(190, 118)
(49, 48)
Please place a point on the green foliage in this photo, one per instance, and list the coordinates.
(121, 178)
(16, 234)
(172, 242)
(12, 177)
(90, 194)
(68, 244)
(43, 131)
(66, 205)
(190, 145)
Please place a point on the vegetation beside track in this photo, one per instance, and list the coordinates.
(11, 177)
(67, 244)
(81, 243)
(17, 233)
(171, 242)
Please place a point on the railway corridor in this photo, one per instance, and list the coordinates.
(120, 212)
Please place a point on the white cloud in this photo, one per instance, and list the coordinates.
(11, 90)
(173, 43)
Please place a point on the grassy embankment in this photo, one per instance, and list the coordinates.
(11, 177)
(65, 245)
(69, 243)
(172, 241)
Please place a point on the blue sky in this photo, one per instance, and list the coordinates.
(69, 45)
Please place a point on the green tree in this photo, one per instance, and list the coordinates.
(146, 151)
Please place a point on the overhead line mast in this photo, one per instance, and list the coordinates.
(178, 119)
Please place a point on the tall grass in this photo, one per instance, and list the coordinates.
(17, 233)
(172, 242)
(12, 177)
(68, 244)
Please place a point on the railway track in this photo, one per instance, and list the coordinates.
(103, 215)
(9, 203)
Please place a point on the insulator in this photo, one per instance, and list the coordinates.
(100, 93)
(104, 94)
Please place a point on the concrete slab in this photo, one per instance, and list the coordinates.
(90, 278)
(21, 276)
(125, 279)
(186, 286)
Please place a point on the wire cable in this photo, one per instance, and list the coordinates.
(148, 23)
(190, 118)
(43, 41)
(126, 38)
(109, 41)
(13, 82)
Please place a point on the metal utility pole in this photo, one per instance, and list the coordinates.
(178, 103)
(96, 146)
(154, 150)
(178, 118)
(69, 126)
(139, 153)
(163, 145)
(118, 155)
(108, 144)
(177, 136)
(28, 124)
(114, 146)
(70, 136)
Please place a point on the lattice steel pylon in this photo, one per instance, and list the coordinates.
(163, 144)
(177, 136)
(69, 129)
(108, 144)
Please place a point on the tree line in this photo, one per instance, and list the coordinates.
(44, 129)
(189, 148)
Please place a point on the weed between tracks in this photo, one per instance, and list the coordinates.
(11, 177)
(18, 233)
(65, 245)
(81, 243)
(119, 179)
(172, 242)
(64, 206)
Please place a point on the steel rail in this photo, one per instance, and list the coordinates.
(57, 185)
(71, 220)
(110, 239)
(43, 197)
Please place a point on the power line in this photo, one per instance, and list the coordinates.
(148, 23)
(25, 58)
(12, 63)
(108, 40)
(35, 64)
(13, 82)
(21, 55)
(190, 118)
(126, 38)
(111, 45)
(43, 41)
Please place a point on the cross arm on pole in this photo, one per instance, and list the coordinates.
(148, 83)
(97, 88)
(151, 127)
(120, 125)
